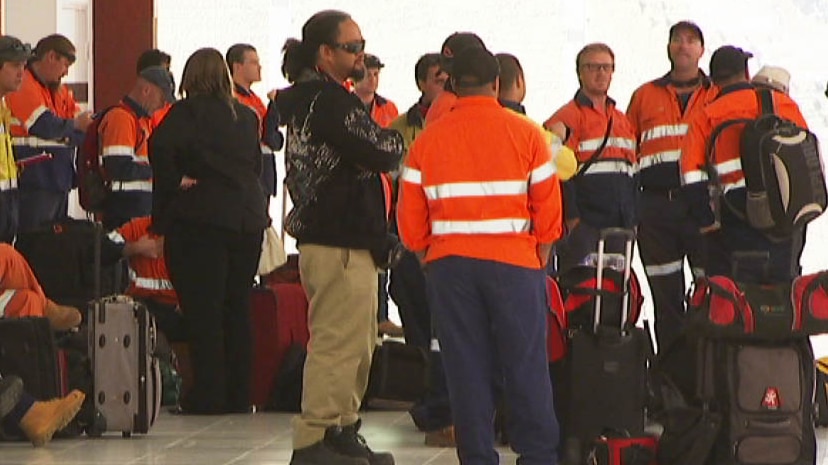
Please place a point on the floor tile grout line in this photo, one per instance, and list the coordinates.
(179, 440)
(257, 448)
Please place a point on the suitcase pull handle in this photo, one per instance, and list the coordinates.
(629, 238)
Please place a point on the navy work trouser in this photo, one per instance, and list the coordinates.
(491, 323)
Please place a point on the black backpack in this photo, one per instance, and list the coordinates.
(783, 172)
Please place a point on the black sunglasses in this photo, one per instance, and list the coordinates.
(357, 46)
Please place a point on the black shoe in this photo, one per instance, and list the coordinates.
(322, 454)
(349, 442)
(11, 388)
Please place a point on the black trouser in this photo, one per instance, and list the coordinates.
(408, 289)
(41, 207)
(9, 210)
(212, 270)
(666, 235)
(579, 243)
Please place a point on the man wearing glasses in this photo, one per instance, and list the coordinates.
(659, 111)
(47, 126)
(13, 57)
(602, 194)
(335, 155)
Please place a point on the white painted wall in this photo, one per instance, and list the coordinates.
(29, 20)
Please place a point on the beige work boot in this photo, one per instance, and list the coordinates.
(43, 419)
(62, 317)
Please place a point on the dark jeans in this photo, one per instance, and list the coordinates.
(491, 322)
(212, 270)
(40, 207)
(120, 207)
(170, 322)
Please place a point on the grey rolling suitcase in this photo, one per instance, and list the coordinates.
(127, 378)
(126, 375)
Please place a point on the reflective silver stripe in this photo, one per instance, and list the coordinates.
(36, 114)
(120, 150)
(693, 177)
(475, 189)
(8, 184)
(667, 130)
(435, 345)
(5, 298)
(265, 149)
(498, 226)
(668, 156)
(116, 237)
(619, 142)
(542, 173)
(32, 141)
(151, 284)
(611, 166)
(733, 185)
(411, 175)
(729, 166)
(665, 269)
(145, 186)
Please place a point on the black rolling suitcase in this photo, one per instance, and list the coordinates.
(604, 379)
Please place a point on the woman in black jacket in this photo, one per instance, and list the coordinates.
(208, 203)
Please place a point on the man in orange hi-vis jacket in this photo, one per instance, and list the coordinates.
(729, 234)
(480, 204)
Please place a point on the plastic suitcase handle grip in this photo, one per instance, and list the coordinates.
(627, 234)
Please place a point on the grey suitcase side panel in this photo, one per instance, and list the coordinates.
(126, 375)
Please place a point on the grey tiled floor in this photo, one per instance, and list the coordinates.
(260, 439)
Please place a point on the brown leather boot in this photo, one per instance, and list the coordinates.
(61, 317)
(443, 437)
(43, 419)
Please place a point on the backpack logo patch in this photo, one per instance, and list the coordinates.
(771, 400)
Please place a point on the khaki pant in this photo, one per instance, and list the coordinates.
(342, 291)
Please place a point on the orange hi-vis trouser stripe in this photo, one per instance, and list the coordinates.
(20, 293)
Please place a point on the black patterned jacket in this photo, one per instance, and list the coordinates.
(334, 156)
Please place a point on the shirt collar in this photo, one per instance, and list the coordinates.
(582, 99)
(135, 107)
(513, 105)
(241, 90)
(735, 88)
(665, 80)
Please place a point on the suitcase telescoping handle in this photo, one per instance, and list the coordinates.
(629, 237)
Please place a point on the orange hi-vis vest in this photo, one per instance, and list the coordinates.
(660, 124)
(480, 183)
(148, 277)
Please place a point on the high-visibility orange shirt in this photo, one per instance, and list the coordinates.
(148, 277)
(159, 115)
(383, 111)
(660, 124)
(441, 105)
(480, 183)
(123, 140)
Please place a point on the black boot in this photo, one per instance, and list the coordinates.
(324, 452)
(11, 387)
(352, 444)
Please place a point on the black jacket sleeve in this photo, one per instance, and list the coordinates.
(342, 120)
(166, 142)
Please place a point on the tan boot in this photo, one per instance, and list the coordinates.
(43, 419)
(61, 317)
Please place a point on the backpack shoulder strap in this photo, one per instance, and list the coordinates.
(765, 97)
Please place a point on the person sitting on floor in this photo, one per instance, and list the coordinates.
(37, 420)
(21, 294)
